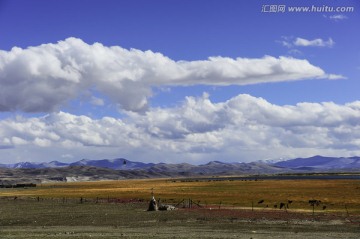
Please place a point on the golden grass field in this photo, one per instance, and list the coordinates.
(56, 210)
(336, 195)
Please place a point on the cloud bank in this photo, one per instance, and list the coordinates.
(46, 77)
(243, 128)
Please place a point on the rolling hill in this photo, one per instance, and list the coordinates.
(120, 168)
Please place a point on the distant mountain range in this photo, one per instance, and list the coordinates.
(113, 169)
(312, 163)
(115, 164)
(320, 163)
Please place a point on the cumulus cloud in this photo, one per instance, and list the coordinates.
(43, 78)
(243, 128)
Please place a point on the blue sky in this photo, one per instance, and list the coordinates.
(206, 80)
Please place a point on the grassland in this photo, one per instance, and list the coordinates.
(56, 211)
(334, 194)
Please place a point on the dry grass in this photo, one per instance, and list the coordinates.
(53, 217)
(26, 218)
(335, 194)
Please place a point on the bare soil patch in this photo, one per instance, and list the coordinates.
(54, 218)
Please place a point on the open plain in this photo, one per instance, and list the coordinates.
(219, 209)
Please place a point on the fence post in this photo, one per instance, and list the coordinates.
(347, 212)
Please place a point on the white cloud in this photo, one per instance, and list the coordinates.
(18, 141)
(291, 43)
(295, 52)
(42, 142)
(97, 101)
(313, 43)
(67, 156)
(338, 17)
(244, 128)
(44, 78)
(335, 77)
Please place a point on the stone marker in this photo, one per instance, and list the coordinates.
(153, 205)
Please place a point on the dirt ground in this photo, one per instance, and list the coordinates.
(29, 218)
(171, 230)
